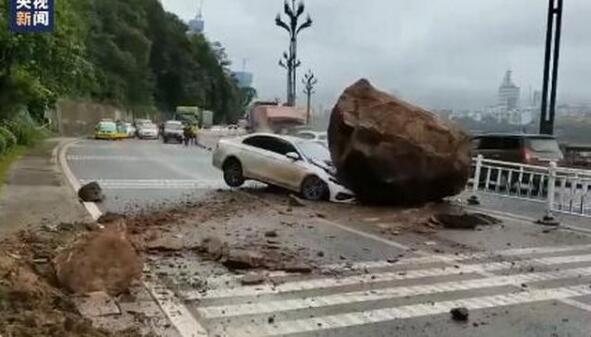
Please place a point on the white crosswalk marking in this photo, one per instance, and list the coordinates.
(409, 311)
(312, 304)
(388, 293)
(381, 277)
(138, 184)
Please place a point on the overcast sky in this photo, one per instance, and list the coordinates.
(438, 53)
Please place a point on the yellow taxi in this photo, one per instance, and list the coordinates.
(107, 130)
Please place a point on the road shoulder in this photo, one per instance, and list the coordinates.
(36, 192)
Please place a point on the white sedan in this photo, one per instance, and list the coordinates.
(296, 164)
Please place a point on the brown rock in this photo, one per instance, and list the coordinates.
(390, 151)
(252, 279)
(214, 247)
(100, 261)
(243, 259)
(297, 268)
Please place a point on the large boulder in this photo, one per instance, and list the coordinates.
(389, 151)
(100, 261)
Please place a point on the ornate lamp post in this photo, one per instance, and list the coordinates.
(293, 27)
(309, 82)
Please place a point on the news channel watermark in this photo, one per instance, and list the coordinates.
(31, 16)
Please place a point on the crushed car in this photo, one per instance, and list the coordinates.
(296, 164)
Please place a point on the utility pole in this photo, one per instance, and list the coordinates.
(290, 61)
(552, 53)
(309, 82)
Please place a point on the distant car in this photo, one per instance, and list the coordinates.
(106, 130)
(532, 149)
(172, 130)
(312, 135)
(126, 129)
(296, 164)
(147, 131)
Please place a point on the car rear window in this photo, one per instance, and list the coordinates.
(544, 145)
(174, 126)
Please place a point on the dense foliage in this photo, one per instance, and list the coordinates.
(130, 53)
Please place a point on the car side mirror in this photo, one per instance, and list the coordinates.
(293, 156)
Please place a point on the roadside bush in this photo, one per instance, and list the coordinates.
(2, 146)
(9, 137)
(25, 132)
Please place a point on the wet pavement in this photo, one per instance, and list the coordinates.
(372, 273)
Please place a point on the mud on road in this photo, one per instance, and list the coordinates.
(231, 238)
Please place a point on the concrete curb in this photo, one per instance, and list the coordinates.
(60, 151)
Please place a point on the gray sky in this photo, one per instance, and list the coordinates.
(438, 53)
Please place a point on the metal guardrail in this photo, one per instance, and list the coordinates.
(563, 190)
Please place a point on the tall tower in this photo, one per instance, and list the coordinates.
(508, 93)
(197, 25)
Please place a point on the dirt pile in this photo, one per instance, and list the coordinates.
(391, 152)
(100, 261)
(30, 302)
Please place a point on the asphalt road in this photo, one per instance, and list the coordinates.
(140, 175)
(516, 279)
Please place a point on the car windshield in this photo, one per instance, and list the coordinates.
(314, 150)
(107, 126)
(544, 145)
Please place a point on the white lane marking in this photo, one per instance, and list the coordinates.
(282, 328)
(139, 184)
(74, 157)
(577, 304)
(367, 235)
(177, 313)
(387, 293)
(379, 277)
(91, 207)
(159, 183)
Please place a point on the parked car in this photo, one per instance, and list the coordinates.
(173, 130)
(296, 164)
(126, 129)
(312, 135)
(147, 131)
(532, 149)
(106, 130)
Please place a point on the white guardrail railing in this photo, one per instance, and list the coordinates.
(563, 190)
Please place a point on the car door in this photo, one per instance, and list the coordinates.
(266, 161)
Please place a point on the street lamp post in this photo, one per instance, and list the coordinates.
(552, 52)
(292, 26)
(309, 82)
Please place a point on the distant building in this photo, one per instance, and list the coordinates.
(508, 93)
(197, 25)
(244, 78)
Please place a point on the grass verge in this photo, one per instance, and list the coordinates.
(7, 159)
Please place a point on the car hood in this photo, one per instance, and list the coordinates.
(326, 165)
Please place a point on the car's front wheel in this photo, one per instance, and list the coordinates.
(233, 173)
(313, 188)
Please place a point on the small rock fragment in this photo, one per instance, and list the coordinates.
(271, 234)
(459, 314)
(252, 279)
